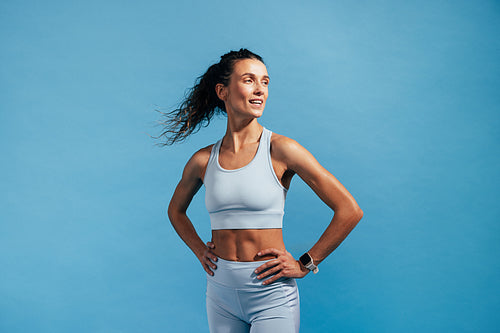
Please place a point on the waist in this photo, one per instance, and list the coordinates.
(236, 274)
(243, 245)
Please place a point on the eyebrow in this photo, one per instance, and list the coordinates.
(252, 74)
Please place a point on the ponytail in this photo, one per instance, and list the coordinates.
(201, 102)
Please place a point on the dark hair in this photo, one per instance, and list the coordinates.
(201, 102)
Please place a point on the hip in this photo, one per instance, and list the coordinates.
(241, 275)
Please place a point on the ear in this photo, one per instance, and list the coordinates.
(221, 91)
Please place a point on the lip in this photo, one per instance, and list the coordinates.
(256, 99)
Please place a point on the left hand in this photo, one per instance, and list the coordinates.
(284, 265)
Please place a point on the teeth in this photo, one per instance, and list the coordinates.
(256, 102)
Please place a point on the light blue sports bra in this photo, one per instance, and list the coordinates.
(250, 197)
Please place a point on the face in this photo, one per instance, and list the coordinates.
(247, 90)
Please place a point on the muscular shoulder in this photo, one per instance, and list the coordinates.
(197, 164)
(200, 158)
(290, 152)
(283, 147)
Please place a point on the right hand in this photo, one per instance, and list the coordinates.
(208, 258)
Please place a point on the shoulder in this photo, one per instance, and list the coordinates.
(292, 153)
(198, 162)
(284, 146)
(202, 155)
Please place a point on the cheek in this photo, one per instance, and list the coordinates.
(244, 91)
(238, 92)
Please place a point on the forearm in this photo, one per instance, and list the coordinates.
(341, 225)
(185, 229)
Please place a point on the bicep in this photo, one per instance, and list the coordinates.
(187, 187)
(183, 194)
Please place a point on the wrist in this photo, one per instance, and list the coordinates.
(308, 262)
(199, 252)
(303, 268)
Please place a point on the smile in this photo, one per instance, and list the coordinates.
(256, 101)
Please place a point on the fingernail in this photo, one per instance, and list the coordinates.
(256, 271)
(259, 254)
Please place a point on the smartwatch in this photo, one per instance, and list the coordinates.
(308, 262)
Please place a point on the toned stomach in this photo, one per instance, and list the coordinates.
(243, 245)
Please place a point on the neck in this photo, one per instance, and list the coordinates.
(239, 134)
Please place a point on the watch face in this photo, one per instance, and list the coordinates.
(305, 259)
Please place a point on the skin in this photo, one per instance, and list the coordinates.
(249, 81)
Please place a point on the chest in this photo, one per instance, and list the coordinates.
(235, 160)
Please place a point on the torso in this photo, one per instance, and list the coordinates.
(244, 244)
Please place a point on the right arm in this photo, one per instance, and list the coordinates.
(188, 186)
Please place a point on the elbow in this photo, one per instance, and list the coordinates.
(358, 213)
(355, 215)
(171, 212)
(174, 212)
(355, 211)
(351, 213)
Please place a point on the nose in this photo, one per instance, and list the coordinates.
(259, 89)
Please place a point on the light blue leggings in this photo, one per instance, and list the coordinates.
(237, 301)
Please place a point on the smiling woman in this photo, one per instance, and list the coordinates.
(250, 275)
(248, 91)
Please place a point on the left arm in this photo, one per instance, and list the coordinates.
(346, 211)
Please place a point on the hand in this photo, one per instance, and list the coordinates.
(208, 258)
(284, 266)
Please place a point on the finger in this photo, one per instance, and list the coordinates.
(270, 251)
(208, 262)
(212, 256)
(209, 255)
(207, 269)
(272, 279)
(211, 245)
(269, 272)
(267, 265)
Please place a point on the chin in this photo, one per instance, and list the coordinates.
(258, 114)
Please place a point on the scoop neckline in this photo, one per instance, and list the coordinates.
(249, 163)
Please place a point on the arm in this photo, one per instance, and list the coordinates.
(346, 211)
(188, 186)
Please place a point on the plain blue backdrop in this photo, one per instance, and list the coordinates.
(398, 99)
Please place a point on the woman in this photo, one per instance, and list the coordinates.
(250, 275)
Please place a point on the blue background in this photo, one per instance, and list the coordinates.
(398, 99)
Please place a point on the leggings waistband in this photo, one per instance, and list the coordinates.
(237, 274)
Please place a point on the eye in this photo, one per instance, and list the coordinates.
(265, 82)
(247, 80)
